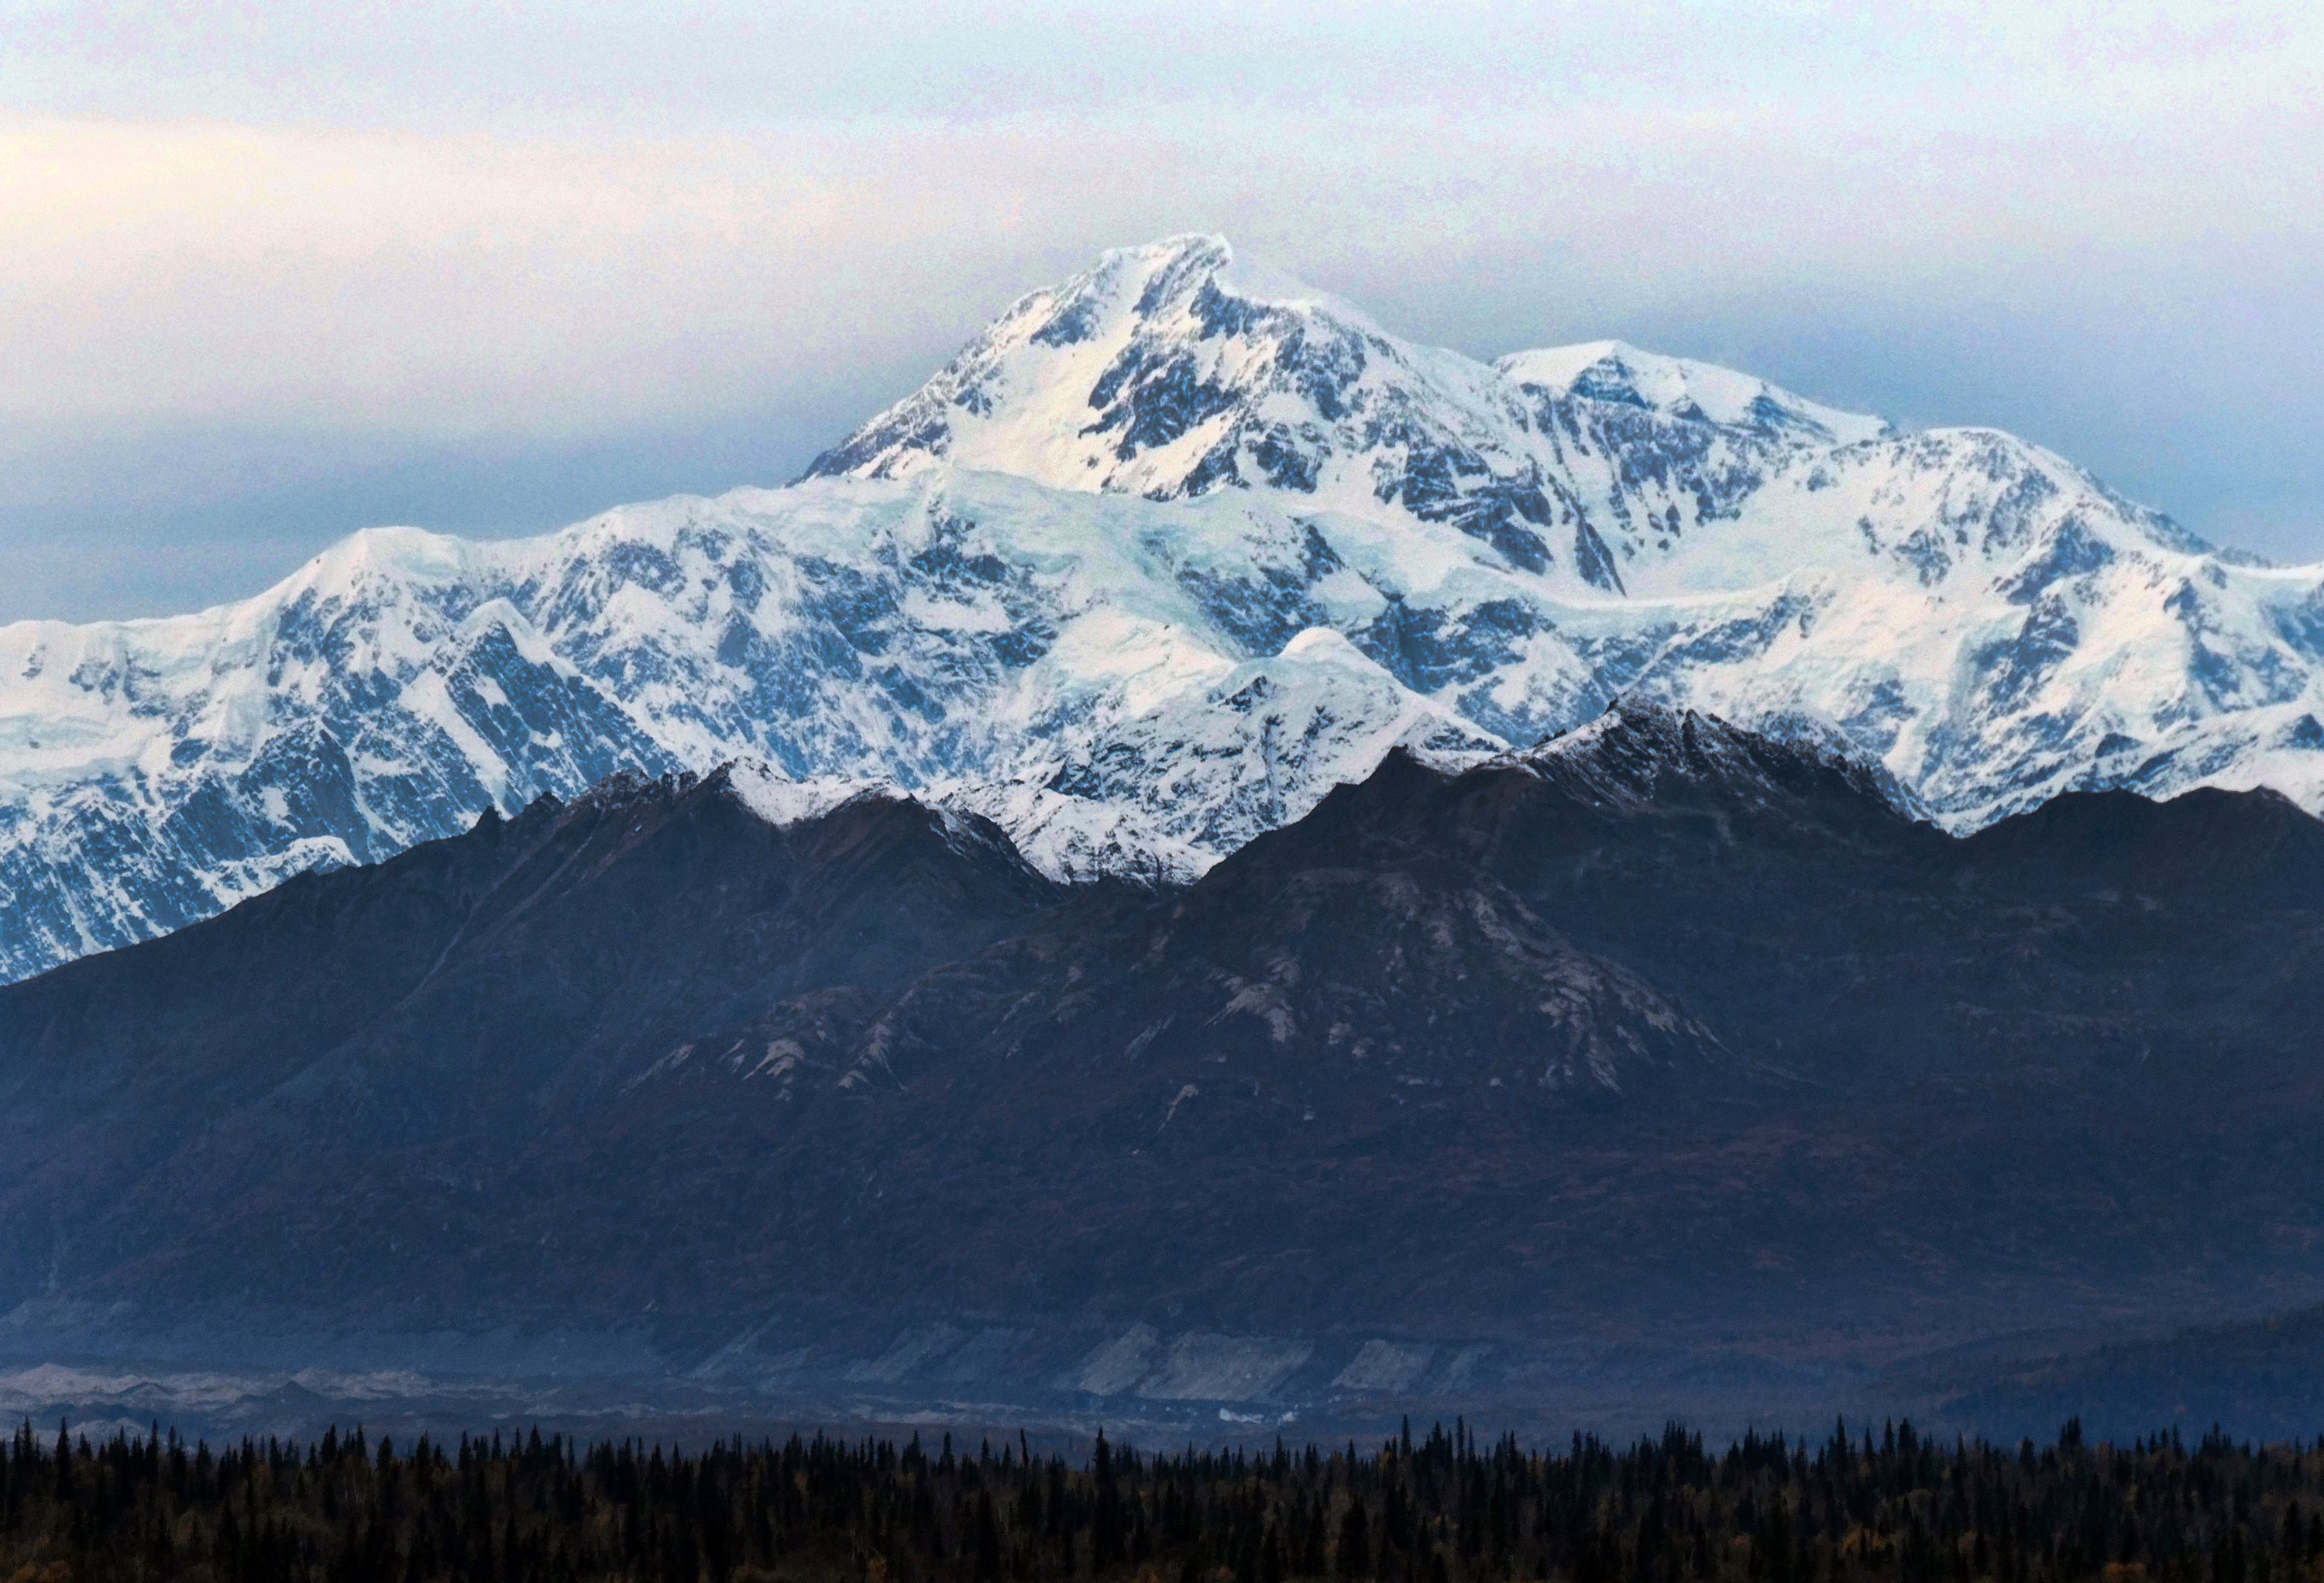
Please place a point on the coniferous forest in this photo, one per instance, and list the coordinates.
(1446, 1507)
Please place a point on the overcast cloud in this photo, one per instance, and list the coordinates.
(267, 276)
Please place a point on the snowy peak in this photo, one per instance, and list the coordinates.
(1145, 374)
(1679, 387)
(1176, 370)
(393, 554)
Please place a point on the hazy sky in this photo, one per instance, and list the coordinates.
(270, 274)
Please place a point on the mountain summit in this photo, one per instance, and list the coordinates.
(1169, 552)
(1158, 373)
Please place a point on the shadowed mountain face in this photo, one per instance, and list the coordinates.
(465, 995)
(1662, 1032)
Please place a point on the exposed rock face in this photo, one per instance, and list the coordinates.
(1161, 558)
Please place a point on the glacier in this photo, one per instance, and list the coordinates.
(1167, 552)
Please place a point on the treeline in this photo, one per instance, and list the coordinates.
(1443, 1509)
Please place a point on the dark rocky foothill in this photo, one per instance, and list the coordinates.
(1663, 1058)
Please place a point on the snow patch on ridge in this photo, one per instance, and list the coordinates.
(782, 801)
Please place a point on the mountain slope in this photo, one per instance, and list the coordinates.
(1668, 1030)
(477, 988)
(1159, 559)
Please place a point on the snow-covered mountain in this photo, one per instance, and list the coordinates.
(1161, 557)
(1988, 620)
(1111, 678)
